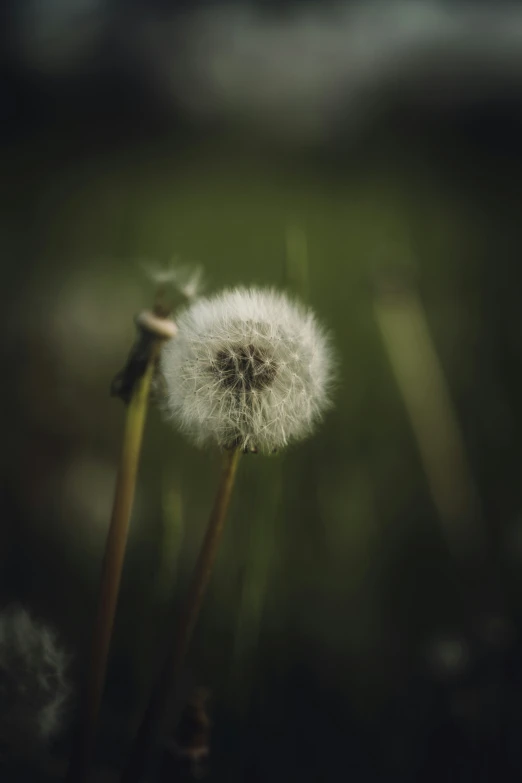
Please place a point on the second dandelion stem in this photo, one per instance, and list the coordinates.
(112, 570)
(161, 704)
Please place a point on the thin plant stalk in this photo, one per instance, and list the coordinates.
(427, 398)
(160, 710)
(112, 568)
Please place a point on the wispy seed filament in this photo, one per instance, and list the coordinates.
(244, 367)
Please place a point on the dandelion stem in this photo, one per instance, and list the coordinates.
(159, 712)
(112, 568)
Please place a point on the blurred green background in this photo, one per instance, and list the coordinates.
(363, 620)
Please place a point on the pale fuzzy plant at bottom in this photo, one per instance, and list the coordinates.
(34, 687)
(248, 368)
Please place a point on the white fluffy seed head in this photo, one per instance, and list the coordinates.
(248, 368)
(33, 683)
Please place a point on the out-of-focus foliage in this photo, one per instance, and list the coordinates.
(341, 620)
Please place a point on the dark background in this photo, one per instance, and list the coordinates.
(364, 619)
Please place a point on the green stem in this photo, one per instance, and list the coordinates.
(112, 569)
(162, 702)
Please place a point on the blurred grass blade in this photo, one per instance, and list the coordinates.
(425, 392)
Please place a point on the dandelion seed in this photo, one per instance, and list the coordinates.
(248, 368)
(186, 278)
(189, 281)
(33, 683)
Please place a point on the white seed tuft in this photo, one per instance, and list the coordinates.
(186, 278)
(248, 368)
(33, 683)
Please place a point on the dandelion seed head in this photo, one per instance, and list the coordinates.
(33, 682)
(248, 368)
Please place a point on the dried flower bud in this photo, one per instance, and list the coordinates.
(248, 368)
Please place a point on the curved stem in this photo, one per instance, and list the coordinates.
(112, 569)
(162, 701)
